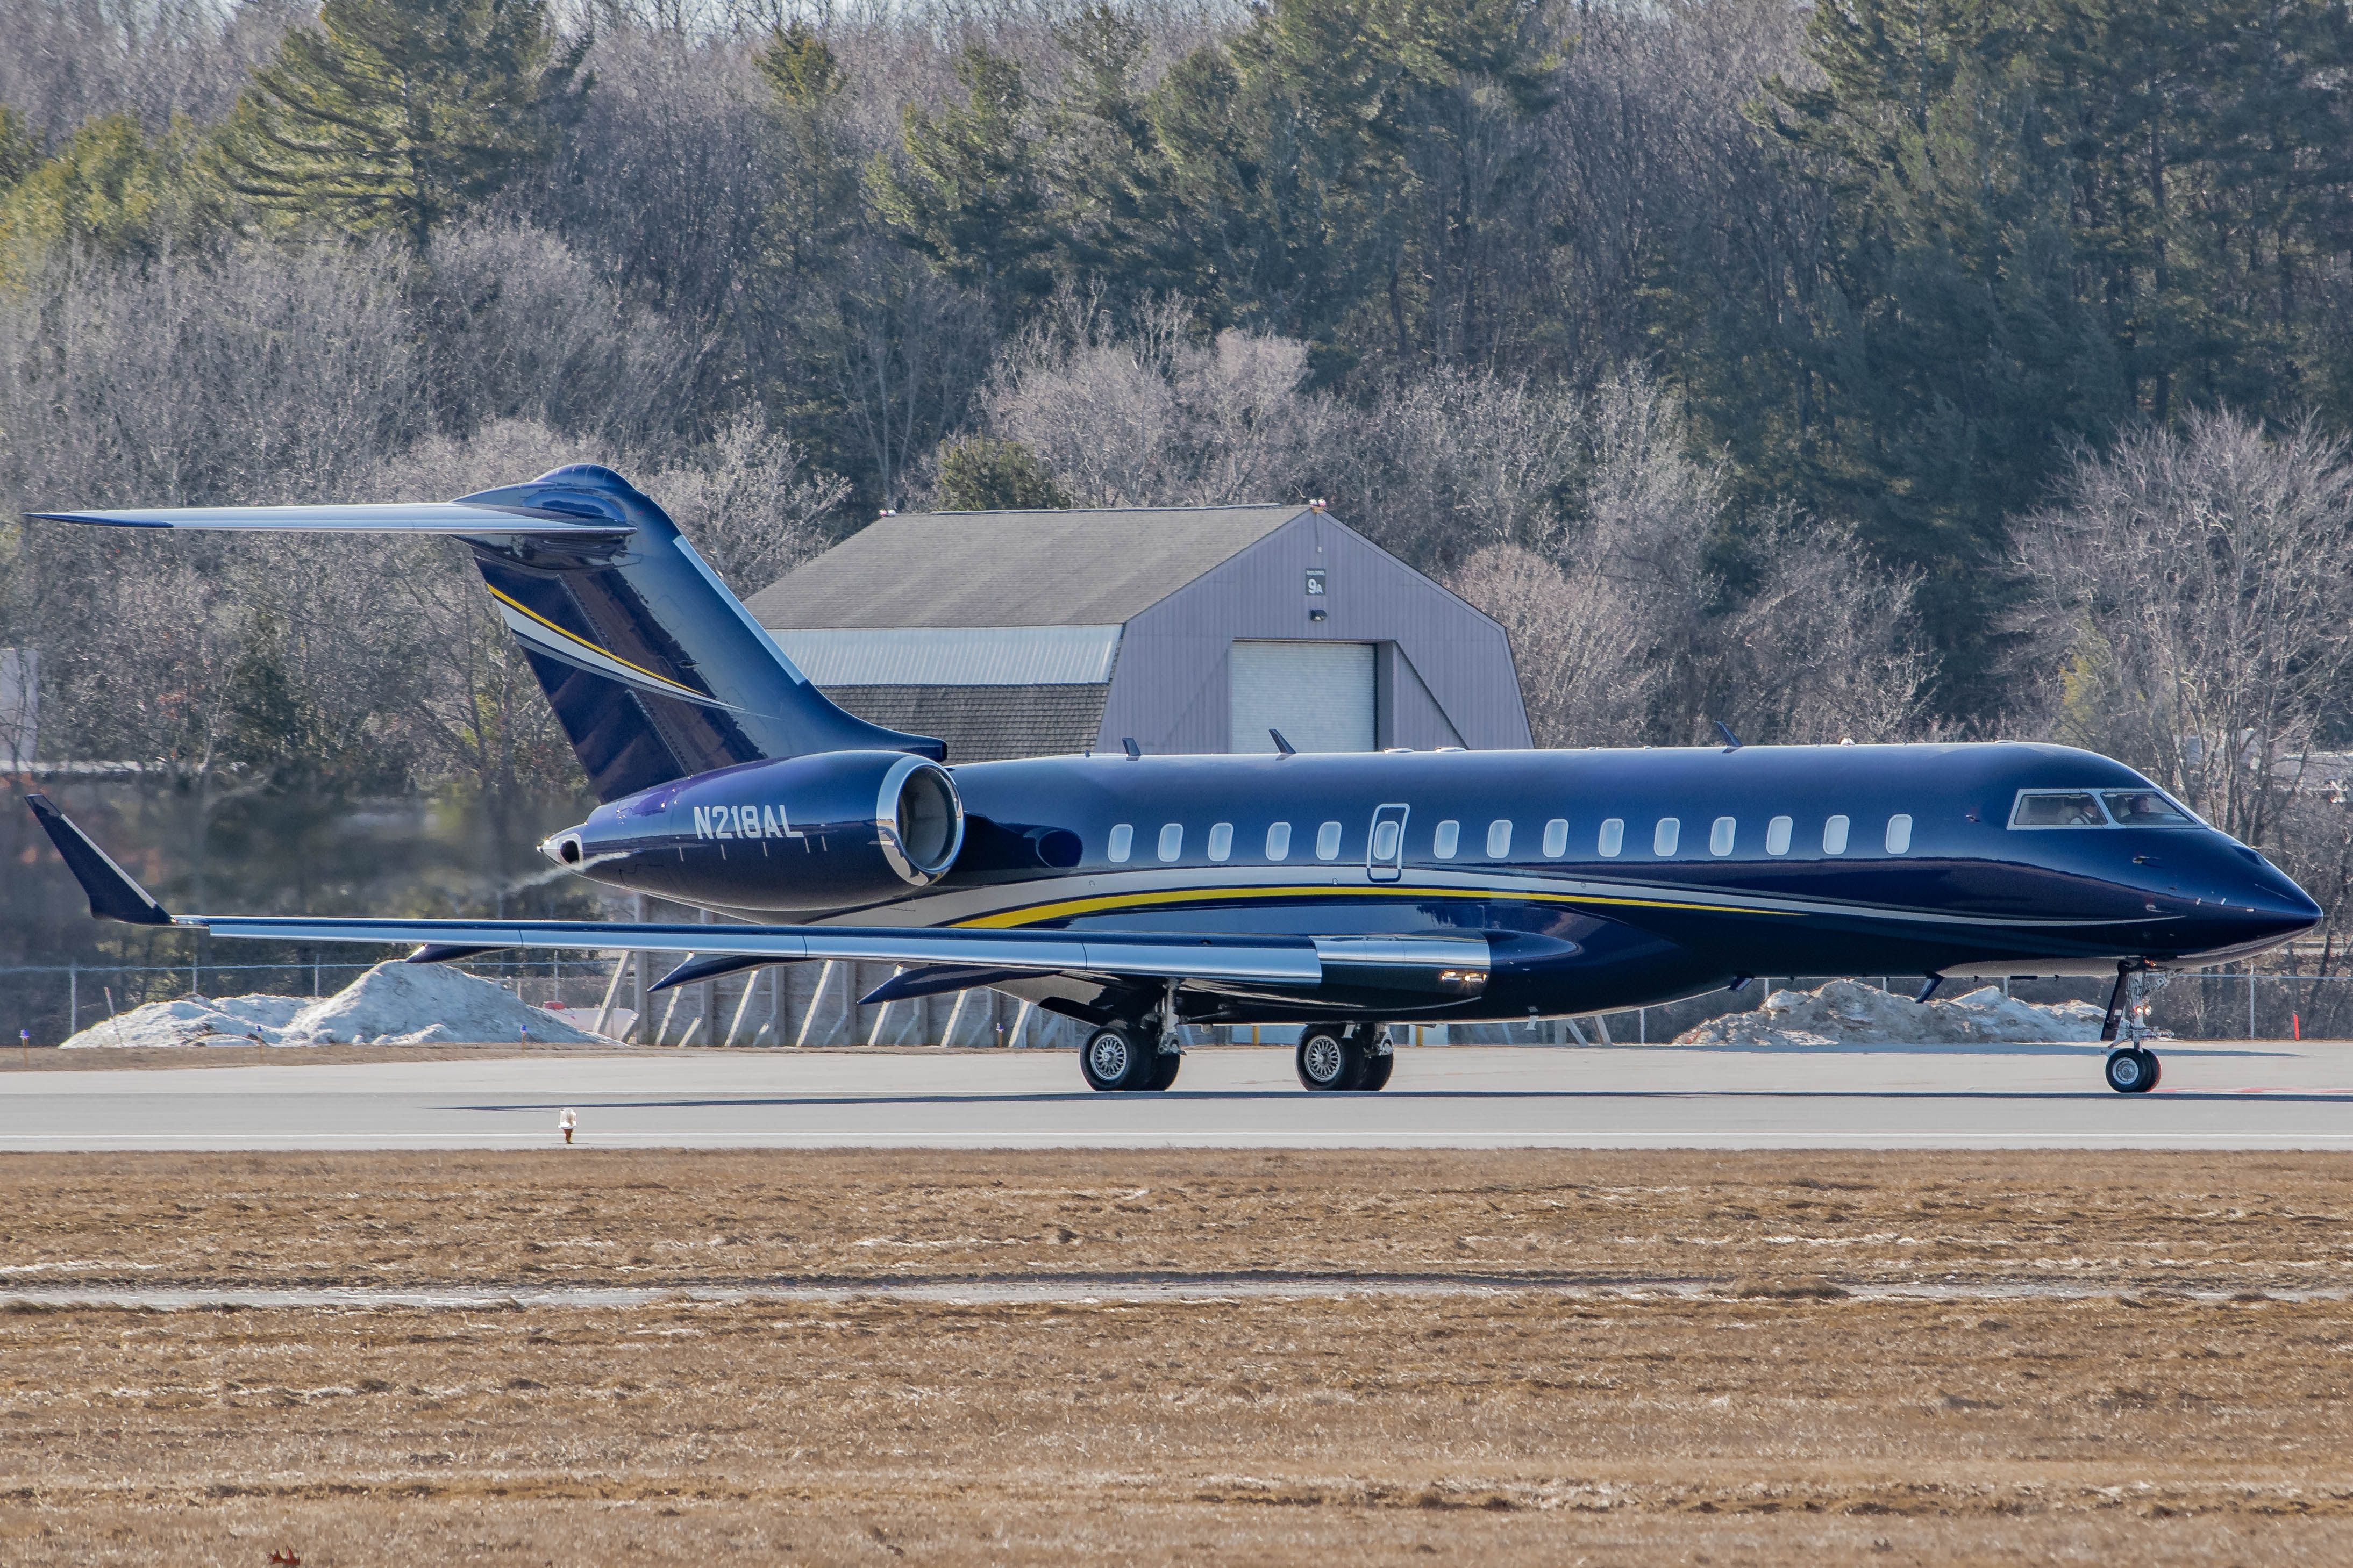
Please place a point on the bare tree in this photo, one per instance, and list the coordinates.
(1605, 601)
(1152, 417)
(1824, 649)
(1587, 670)
(2193, 609)
(750, 502)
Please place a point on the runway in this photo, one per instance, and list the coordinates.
(2267, 1095)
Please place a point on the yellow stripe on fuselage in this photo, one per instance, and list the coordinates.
(1113, 902)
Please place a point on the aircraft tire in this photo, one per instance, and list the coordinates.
(1164, 1070)
(1115, 1058)
(2132, 1071)
(1377, 1069)
(1328, 1059)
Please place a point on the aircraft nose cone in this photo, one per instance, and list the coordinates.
(2278, 908)
(2295, 904)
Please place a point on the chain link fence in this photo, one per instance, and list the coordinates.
(816, 1004)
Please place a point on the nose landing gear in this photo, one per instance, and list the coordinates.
(2132, 1067)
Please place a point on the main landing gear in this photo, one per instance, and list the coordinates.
(1130, 1056)
(1333, 1057)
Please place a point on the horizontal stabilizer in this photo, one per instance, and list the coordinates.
(462, 519)
(113, 896)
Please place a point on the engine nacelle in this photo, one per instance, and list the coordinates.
(822, 832)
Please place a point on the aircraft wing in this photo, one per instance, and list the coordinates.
(1282, 961)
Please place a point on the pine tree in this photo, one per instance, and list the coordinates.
(396, 114)
(971, 197)
(2047, 219)
(982, 474)
(110, 191)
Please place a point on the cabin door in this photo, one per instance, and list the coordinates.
(1385, 846)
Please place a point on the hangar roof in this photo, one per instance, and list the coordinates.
(1077, 568)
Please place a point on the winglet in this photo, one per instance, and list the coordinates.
(113, 896)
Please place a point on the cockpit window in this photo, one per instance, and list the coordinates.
(2098, 808)
(2057, 808)
(2145, 808)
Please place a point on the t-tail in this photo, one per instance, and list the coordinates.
(655, 670)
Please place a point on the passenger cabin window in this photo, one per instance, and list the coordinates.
(1122, 839)
(1384, 838)
(1613, 836)
(1448, 838)
(1172, 841)
(1899, 835)
(1777, 835)
(2145, 808)
(1555, 842)
(1327, 842)
(2057, 808)
(1278, 841)
(1834, 835)
(1719, 836)
(1221, 840)
(1665, 837)
(1498, 838)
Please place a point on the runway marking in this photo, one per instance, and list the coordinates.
(1203, 1288)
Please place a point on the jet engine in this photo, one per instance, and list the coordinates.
(824, 832)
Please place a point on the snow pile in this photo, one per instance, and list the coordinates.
(394, 1004)
(1848, 1011)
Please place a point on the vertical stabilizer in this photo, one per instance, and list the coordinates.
(654, 670)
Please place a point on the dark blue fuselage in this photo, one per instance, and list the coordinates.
(1603, 878)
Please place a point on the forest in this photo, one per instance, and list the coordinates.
(1866, 369)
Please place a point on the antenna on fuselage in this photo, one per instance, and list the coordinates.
(1133, 751)
(1286, 747)
(1731, 741)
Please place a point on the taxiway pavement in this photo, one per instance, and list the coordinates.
(2214, 1095)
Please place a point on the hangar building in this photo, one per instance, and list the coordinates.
(1011, 634)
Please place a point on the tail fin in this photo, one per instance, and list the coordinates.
(654, 670)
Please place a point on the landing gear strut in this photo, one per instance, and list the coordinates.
(2132, 1067)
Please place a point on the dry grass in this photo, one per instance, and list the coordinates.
(2109, 1221)
(1771, 1422)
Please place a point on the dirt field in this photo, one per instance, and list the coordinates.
(1705, 1393)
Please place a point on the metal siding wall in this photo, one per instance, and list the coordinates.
(1170, 689)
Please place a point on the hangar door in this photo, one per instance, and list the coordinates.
(1319, 694)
